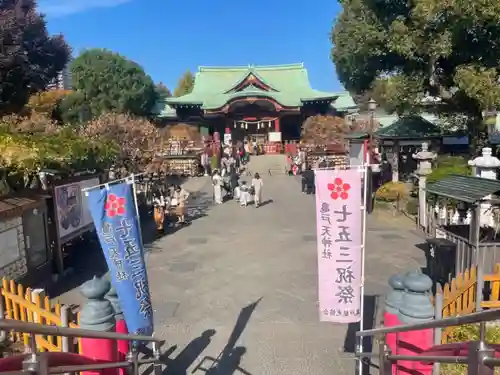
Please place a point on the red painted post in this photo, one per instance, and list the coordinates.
(123, 345)
(100, 349)
(393, 301)
(98, 315)
(277, 125)
(416, 307)
(121, 326)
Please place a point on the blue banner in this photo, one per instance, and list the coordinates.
(115, 218)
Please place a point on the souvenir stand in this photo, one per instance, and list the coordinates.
(331, 156)
(179, 157)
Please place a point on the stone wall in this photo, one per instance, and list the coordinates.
(12, 249)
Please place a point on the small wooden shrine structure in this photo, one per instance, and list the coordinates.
(400, 140)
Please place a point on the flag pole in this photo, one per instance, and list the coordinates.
(87, 189)
(131, 181)
(363, 256)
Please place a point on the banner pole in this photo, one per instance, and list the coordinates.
(363, 250)
(136, 204)
(110, 183)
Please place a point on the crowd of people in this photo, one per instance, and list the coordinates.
(170, 204)
(170, 207)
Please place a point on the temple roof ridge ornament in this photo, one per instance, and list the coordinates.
(251, 78)
(207, 68)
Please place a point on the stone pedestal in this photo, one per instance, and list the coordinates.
(424, 158)
(486, 166)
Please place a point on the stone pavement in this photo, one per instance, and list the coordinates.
(240, 284)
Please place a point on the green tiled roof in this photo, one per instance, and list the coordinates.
(410, 127)
(464, 188)
(214, 86)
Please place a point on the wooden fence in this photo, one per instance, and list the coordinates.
(459, 296)
(25, 305)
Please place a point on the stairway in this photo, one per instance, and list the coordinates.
(266, 165)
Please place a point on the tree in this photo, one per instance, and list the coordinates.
(185, 84)
(324, 130)
(28, 144)
(162, 91)
(136, 136)
(29, 58)
(46, 102)
(409, 50)
(111, 83)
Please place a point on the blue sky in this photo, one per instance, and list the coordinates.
(169, 37)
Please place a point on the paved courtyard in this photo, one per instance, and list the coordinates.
(240, 285)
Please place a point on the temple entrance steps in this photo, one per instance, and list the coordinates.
(267, 165)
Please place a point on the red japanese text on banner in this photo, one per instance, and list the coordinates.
(339, 239)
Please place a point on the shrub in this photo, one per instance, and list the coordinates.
(412, 207)
(448, 165)
(469, 332)
(392, 191)
(46, 102)
(30, 143)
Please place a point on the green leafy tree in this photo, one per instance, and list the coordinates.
(109, 82)
(185, 84)
(162, 91)
(408, 50)
(29, 57)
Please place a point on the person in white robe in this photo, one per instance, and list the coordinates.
(244, 194)
(217, 184)
(257, 185)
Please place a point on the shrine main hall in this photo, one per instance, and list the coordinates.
(253, 101)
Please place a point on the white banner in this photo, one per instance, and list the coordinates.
(71, 207)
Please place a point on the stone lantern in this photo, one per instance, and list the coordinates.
(424, 159)
(485, 166)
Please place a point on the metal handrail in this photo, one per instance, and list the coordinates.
(478, 317)
(40, 329)
(34, 363)
(480, 359)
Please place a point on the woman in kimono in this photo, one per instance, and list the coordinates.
(181, 196)
(159, 210)
(257, 185)
(217, 184)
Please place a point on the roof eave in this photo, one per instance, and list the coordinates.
(192, 104)
(320, 98)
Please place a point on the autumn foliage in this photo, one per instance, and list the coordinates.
(324, 130)
(136, 137)
(45, 102)
(28, 144)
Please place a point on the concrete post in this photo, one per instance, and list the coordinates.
(424, 159)
(486, 166)
(416, 307)
(98, 314)
(395, 162)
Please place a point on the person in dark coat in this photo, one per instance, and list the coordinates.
(308, 181)
(233, 181)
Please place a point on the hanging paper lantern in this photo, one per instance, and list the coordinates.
(269, 124)
(258, 125)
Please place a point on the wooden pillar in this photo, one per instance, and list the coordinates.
(277, 125)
